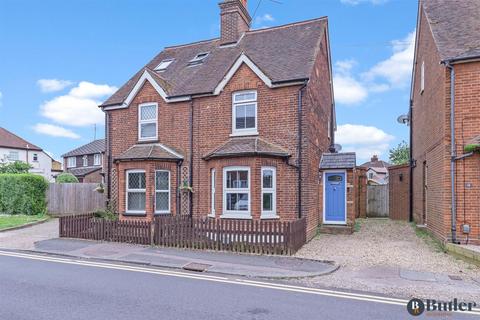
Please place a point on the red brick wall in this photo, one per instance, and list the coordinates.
(399, 192)
(94, 177)
(360, 192)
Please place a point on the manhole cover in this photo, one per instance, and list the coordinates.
(198, 267)
(456, 278)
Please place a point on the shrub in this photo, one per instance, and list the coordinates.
(66, 178)
(15, 167)
(106, 214)
(22, 194)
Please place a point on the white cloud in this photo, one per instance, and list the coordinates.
(55, 131)
(397, 69)
(346, 88)
(364, 140)
(357, 2)
(262, 21)
(79, 107)
(53, 85)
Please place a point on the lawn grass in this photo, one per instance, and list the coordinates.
(428, 238)
(9, 221)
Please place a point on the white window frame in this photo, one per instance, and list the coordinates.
(16, 158)
(273, 191)
(233, 213)
(212, 192)
(97, 159)
(163, 191)
(248, 131)
(164, 64)
(35, 157)
(85, 161)
(422, 77)
(128, 190)
(140, 121)
(71, 162)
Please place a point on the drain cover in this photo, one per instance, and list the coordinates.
(198, 267)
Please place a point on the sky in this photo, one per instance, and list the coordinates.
(60, 59)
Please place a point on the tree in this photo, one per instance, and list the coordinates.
(400, 154)
(16, 167)
(66, 178)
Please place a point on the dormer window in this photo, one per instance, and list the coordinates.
(199, 58)
(164, 65)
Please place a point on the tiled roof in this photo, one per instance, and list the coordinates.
(10, 140)
(344, 160)
(284, 53)
(156, 151)
(247, 146)
(455, 26)
(82, 172)
(96, 146)
(376, 164)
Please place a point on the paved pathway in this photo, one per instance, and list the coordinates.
(24, 239)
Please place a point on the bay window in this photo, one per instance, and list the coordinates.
(135, 191)
(268, 192)
(162, 191)
(147, 121)
(244, 113)
(236, 191)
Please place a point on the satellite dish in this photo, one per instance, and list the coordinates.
(403, 119)
(335, 148)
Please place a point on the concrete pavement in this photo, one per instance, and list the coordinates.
(45, 288)
(24, 239)
(197, 260)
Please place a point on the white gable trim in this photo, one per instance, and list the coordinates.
(242, 59)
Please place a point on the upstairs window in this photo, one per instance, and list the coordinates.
(244, 113)
(147, 121)
(97, 159)
(164, 65)
(35, 157)
(71, 162)
(85, 161)
(199, 58)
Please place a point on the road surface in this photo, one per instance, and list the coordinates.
(39, 287)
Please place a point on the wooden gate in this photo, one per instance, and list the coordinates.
(377, 201)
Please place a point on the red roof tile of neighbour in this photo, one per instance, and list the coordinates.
(284, 53)
(455, 26)
(10, 140)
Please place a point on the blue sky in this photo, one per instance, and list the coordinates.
(59, 59)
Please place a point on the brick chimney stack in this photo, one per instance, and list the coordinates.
(374, 158)
(235, 20)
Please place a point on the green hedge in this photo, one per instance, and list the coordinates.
(23, 194)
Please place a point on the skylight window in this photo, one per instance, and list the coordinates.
(164, 65)
(199, 58)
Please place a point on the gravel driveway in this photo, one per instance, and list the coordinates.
(387, 256)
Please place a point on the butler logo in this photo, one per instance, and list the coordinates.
(416, 306)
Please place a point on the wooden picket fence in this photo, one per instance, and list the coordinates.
(88, 227)
(262, 237)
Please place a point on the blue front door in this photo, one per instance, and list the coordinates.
(335, 197)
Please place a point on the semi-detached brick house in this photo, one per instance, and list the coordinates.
(86, 162)
(446, 77)
(241, 121)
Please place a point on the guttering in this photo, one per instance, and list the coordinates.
(453, 152)
(300, 141)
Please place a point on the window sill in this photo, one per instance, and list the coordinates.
(269, 217)
(244, 134)
(162, 213)
(134, 214)
(236, 216)
(211, 215)
(150, 140)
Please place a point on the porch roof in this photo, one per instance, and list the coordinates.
(154, 151)
(247, 146)
(344, 160)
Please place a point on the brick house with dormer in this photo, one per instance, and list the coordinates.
(229, 128)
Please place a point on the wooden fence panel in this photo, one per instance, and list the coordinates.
(377, 201)
(74, 198)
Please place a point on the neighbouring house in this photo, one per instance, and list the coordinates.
(13, 148)
(56, 168)
(229, 128)
(444, 117)
(377, 171)
(86, 162)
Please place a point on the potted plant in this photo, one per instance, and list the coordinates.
(185, 187)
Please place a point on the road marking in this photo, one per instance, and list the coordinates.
(244, 282)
